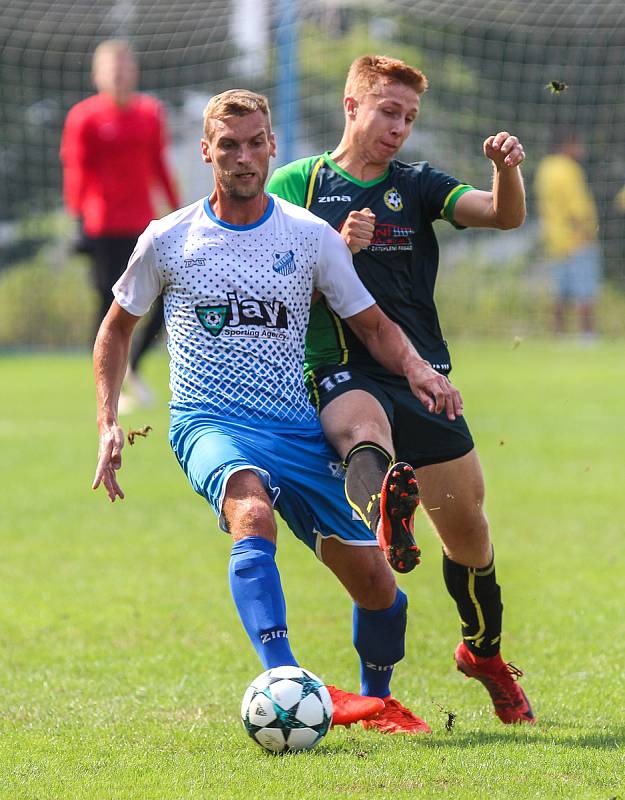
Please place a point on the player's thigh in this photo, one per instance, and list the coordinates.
(211, 452)
(421, 437)
(363, 571)
(355, 417)
(312, 494)
(352, 408)
(452, 495)
(585, 274)
(110, 259)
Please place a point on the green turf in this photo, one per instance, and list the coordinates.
(123, 662)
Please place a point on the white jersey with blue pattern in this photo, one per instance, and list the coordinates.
(237, 301)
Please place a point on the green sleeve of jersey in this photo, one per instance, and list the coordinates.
(447, 212)
(290, 182)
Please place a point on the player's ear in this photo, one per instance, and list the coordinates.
(206, 151)
(350, 104)
(272, 145)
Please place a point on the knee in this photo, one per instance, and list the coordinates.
(473, 548)
(376, 588)
(251, 517)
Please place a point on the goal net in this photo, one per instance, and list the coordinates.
(533, 67)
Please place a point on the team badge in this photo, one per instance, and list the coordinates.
(393, 200)
(284, 263)
(213, 318)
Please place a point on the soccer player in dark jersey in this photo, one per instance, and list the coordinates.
(385, 210)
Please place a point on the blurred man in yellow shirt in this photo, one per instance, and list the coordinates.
(568, 215)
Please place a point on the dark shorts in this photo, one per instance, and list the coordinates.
(420, 438)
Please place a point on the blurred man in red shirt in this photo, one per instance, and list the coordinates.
(113, 154)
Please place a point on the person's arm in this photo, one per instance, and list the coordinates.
(134, 293)
(110, 359)
(390, 346)
(504, 206)
(162, 170)
(336, 278)
(73, 159)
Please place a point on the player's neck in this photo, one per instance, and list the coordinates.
(120, 100)
(238, 212)
(349, 157)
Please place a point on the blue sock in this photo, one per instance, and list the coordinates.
(379, 638)
(257, 593)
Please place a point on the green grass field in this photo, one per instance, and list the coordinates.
(123, 661)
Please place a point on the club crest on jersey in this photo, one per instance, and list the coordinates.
(248, 318)
(213, 318)
(284, 263)
(392, 199)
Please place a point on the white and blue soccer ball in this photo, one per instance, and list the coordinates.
(286, 709)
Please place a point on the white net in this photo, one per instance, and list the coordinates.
(489, 63)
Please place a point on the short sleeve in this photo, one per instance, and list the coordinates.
(336, 278)
(142, 282)
(440, 193)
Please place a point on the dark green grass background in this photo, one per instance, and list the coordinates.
(123, 661)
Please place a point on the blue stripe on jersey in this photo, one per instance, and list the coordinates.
(229, 226)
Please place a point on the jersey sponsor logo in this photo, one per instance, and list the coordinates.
(388, 237)
(247, 318)
(393, 200)
(284, 263)
(335, 198)
(195, 262)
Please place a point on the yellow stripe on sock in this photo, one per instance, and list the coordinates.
(478, 638)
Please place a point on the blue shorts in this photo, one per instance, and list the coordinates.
(301, 473)
(577, 277)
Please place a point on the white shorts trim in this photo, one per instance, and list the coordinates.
(319, 537)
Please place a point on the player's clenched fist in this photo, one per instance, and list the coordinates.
(504, 150)
(358, 229)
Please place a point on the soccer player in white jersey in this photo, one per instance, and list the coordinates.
(237, 271)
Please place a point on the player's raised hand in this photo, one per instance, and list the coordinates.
(434, 390)
(109, 461)
(358, 229)
(504, 150)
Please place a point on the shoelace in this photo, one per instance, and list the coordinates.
(499, 692)
(515, 672)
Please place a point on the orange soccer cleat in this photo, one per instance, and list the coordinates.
(500, 680)
(398, 501)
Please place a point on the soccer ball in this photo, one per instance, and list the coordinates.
(286, 708)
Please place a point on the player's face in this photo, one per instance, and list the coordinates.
(382, 120)
(115, 74)
(239, 148)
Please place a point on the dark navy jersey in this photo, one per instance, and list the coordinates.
(400, 265)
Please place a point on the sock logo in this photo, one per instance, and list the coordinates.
(379, 667)
(276, 633)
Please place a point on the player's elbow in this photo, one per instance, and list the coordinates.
(509, 222)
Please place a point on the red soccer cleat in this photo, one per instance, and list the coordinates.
(500, 679)
(350, 708)
(396, 718)
(398, 501)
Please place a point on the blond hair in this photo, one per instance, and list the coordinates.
(237, 103)
(367, 72)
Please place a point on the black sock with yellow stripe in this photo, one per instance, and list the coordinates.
(478, 599)
(366, 464)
